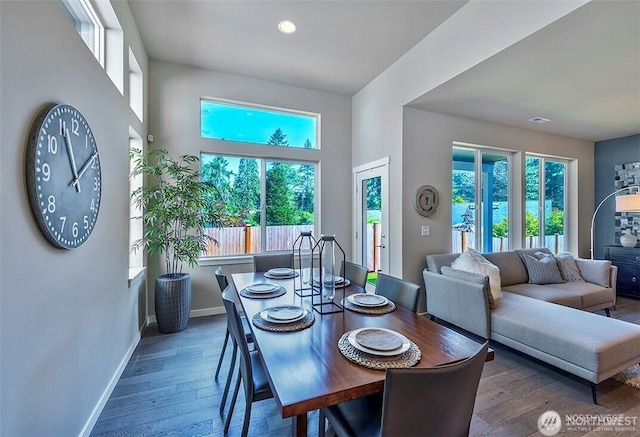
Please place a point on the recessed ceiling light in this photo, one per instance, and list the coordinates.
(539, 120)
(286, 26)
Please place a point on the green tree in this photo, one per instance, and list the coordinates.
(278, 138)
(554, 183)
(501, 229)
(306, 190)
(281, 202)
(457, 199)
(374, 194)
(555, 223)
(500, 181)
(463, 185)
(530, 225)
(532, 174)
(246, 189)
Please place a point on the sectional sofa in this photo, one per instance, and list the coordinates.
(554, 323)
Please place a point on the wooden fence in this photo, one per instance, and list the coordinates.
(246, 239)
(461, 240)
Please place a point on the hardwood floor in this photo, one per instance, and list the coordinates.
(168, 388)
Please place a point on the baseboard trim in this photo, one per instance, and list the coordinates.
(97, 410)
(202, 312)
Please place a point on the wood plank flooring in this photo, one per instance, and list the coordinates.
(168, 388)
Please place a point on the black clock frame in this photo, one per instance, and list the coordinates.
(62, 177)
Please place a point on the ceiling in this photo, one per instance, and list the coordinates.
(582, 72)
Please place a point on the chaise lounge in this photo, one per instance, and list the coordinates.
(551, 322)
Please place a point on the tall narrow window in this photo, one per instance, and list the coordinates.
(545, 202)
(136, 86)
(136, 258)
(480, 200)
(87, 25)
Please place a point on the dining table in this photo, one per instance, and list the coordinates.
(307, 370)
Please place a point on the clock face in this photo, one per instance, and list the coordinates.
(63, 176)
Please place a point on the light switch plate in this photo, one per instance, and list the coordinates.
(426, 231)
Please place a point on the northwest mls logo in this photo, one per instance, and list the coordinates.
(549, 423)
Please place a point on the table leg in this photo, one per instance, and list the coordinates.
(299, 425)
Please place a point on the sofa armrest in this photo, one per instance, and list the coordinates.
(599, 271)
(459, 302)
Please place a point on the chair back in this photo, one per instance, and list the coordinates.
(263, 262)
(401, 292)
(355, 273)
(237, 334)
(221, 278)
(432, 401)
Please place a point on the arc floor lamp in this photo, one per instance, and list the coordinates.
(625, 203)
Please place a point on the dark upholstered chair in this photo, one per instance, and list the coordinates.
(251, 372)
(223, 283)
(263, 262)
(355, 273)
(436, 401)
(401, 292)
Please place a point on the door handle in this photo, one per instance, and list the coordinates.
(382, 246)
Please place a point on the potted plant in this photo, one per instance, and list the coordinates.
(177, 207)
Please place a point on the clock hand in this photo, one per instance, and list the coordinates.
(67, 141)
(84, 168)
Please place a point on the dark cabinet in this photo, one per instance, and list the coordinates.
(628, 261)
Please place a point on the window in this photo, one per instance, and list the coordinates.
(136, 258)
(545, 180)
(87, 25)
(135, 86)
(231, 121)
(267, 203)
(480, 183)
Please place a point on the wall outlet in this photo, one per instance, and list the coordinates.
(426, 231)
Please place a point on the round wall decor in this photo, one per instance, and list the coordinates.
(426, 200)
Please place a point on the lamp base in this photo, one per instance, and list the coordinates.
(628, 240)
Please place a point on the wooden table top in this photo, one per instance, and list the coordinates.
(306, 369)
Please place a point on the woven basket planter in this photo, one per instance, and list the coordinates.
(173, 302)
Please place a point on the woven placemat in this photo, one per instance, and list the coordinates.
(390, 306)
(303, 323)
(406, 359)
(278, 292)
(270, 276)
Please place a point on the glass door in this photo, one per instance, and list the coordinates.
(371, 219)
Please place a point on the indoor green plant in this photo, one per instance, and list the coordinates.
(177, 207)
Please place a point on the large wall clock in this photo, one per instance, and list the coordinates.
(63, 175)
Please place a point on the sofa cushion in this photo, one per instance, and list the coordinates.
(472, 277)
(595, 270)
(591, 294)
(542, 269)
(547, 293)
(512, 270)
(472, 261)
(587, 340)
(435, 262)
(568, 267)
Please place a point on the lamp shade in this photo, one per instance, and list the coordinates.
(628, 203)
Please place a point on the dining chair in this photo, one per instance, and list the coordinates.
(224, 283)
(415, 402)
(401, 292)
(251, 372)
(355, 273)
(263, 262)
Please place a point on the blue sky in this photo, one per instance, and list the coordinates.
(254, 125)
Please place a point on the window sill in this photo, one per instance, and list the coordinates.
(136, 273)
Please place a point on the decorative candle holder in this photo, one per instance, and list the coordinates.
(323, 301)
(303, 249)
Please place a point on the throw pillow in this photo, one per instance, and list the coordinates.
(472, 261)
(471, 277)
(543, 270)
(568, 267)
(596, 271)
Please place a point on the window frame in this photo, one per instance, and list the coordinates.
(82, 13)
(542, 195)
(263, 160)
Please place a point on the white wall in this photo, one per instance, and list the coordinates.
(174, 121)
(427, 142)
(67, 319)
